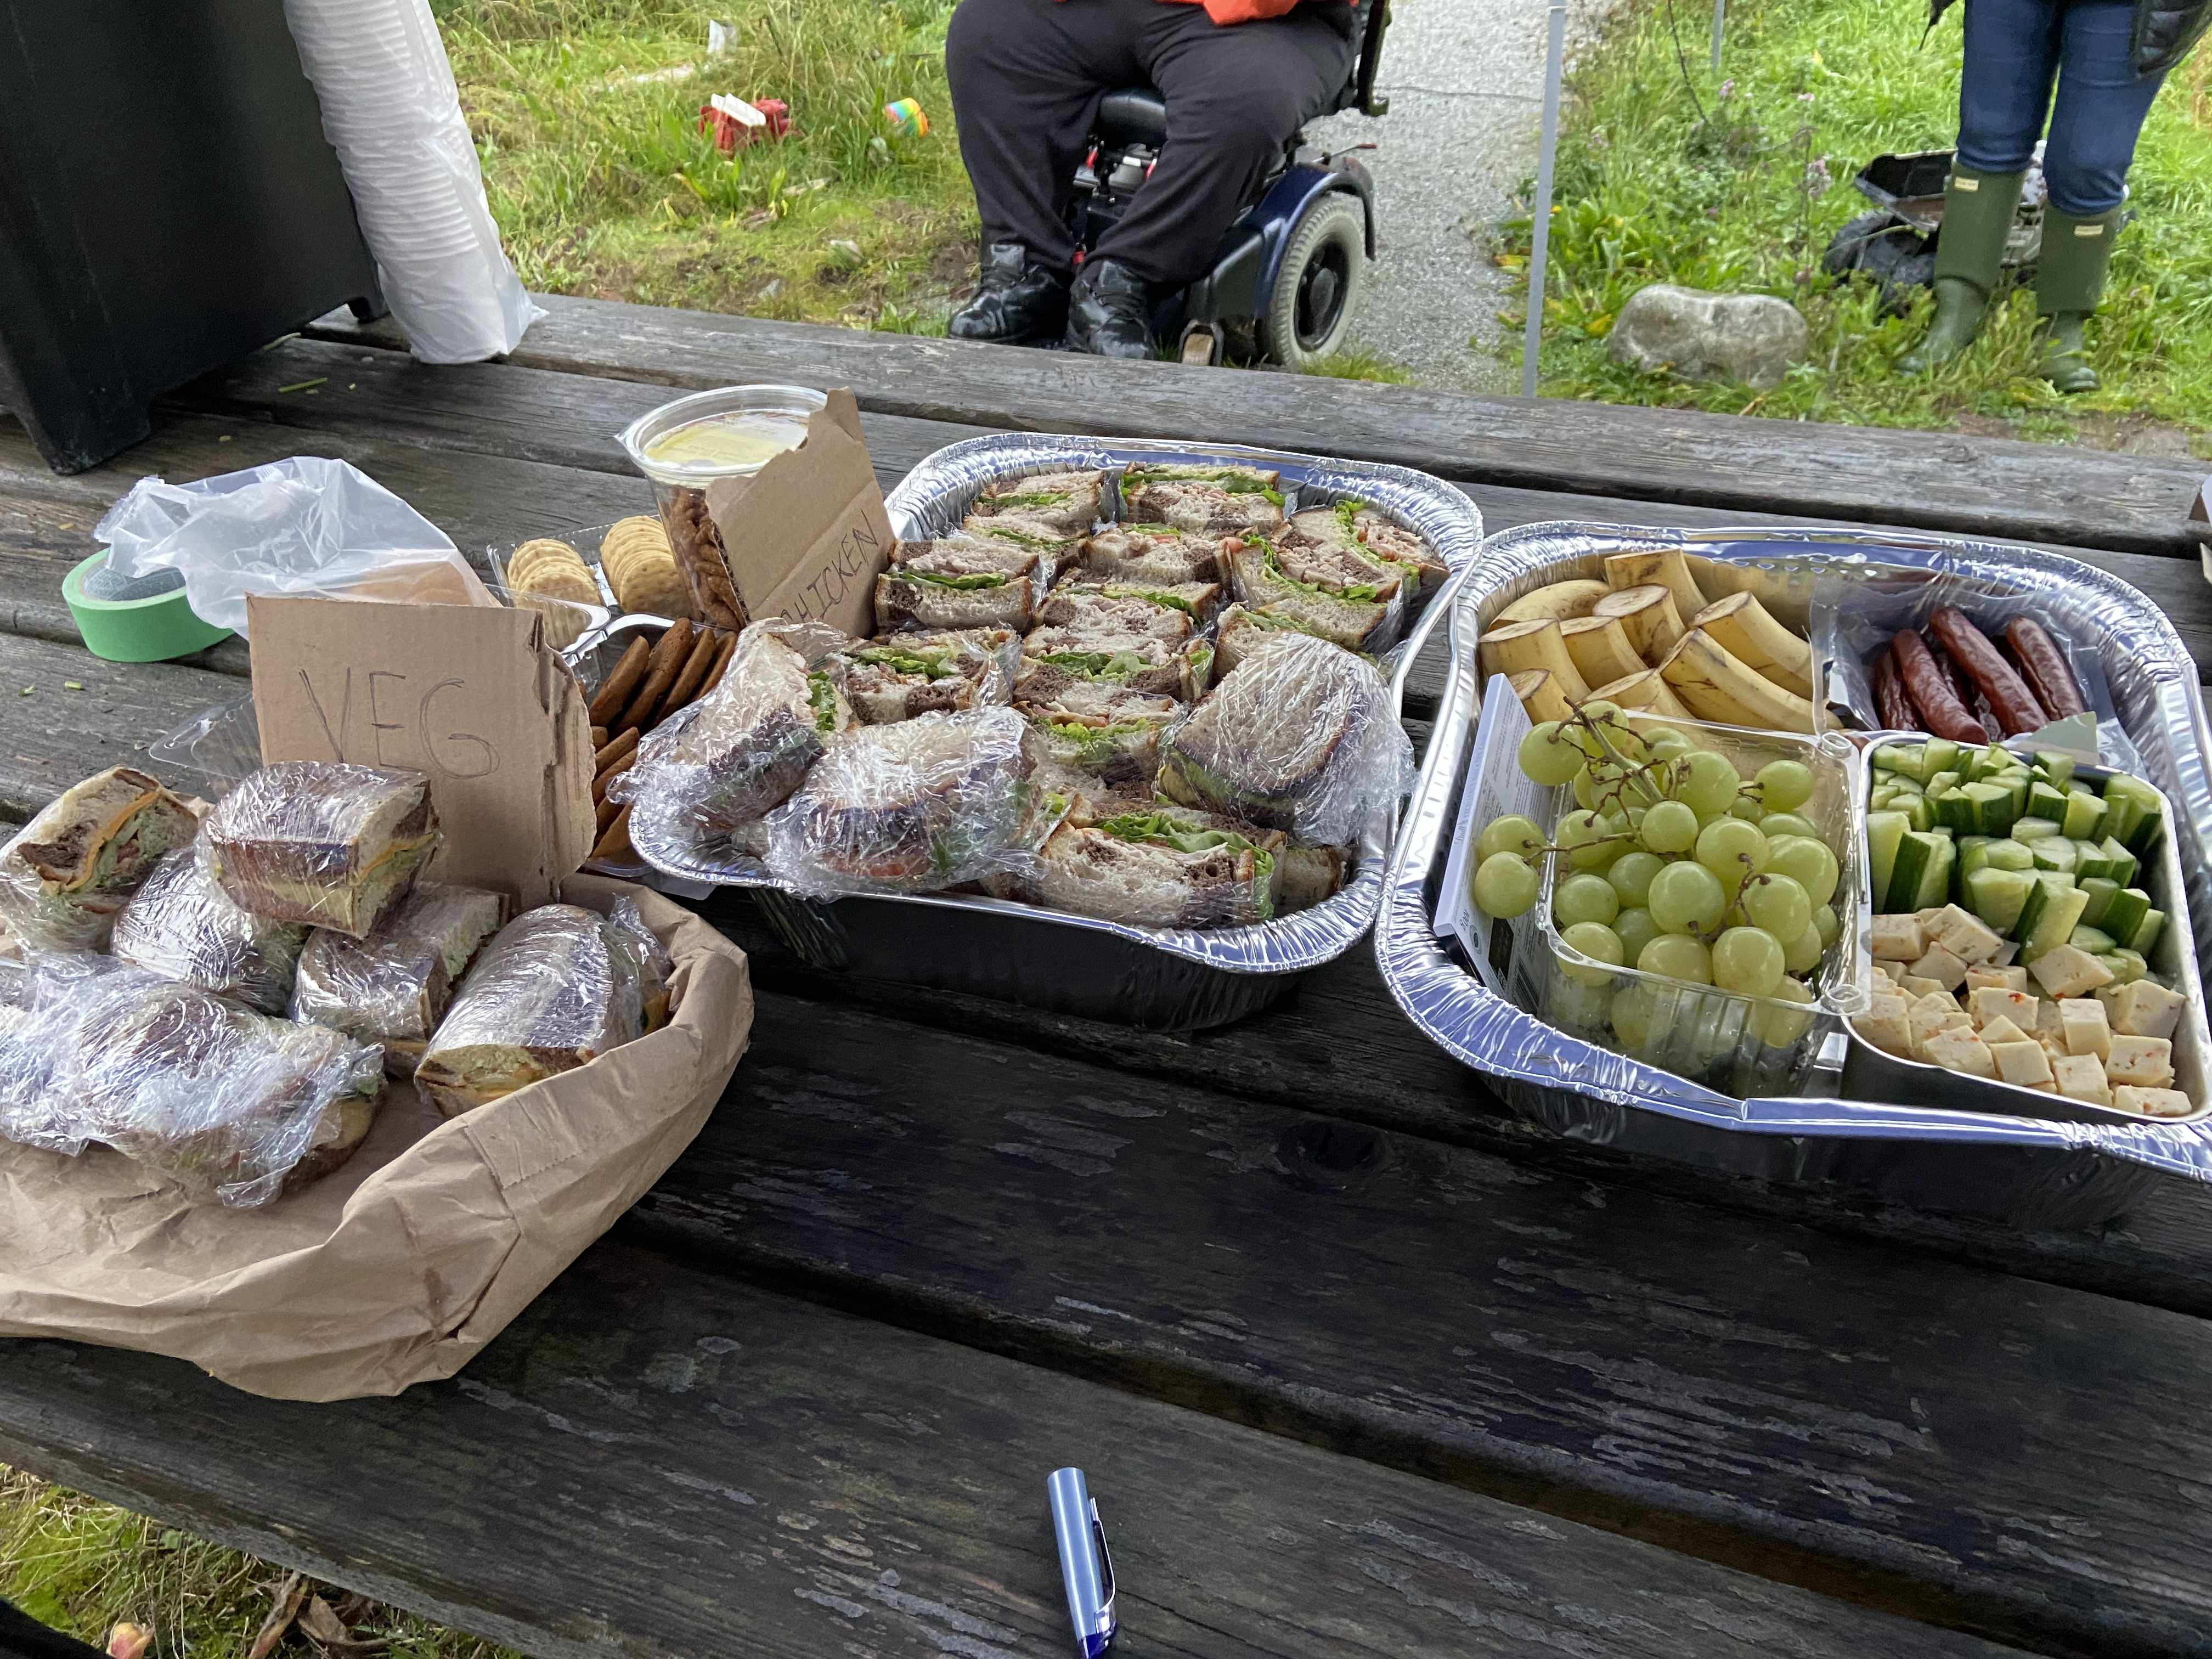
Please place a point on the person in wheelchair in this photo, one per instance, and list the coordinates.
(1239, 78)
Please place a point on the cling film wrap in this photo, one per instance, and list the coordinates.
(229, 1104)
(66, 874)
(322, 842)
(182, 926)
(655, 967)
(1302, 737)
(924, 804)
(40, 995)
(2028, 1171)
(394, 984)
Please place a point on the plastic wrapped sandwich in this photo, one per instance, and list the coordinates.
(69, 870)
(392, 988)
(1155, 865)
(1110, 732)
(557, 988)
(322, 842)
(183, 927)
(927, 804)
(902, 675)
(1300, 738)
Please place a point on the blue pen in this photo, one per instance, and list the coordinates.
(1085, 1568)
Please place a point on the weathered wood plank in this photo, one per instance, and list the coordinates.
(656, 1462)
(1945, 481)
(1842, 1414)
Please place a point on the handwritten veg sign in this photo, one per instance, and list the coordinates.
(471, 696)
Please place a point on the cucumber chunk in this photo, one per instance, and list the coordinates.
(1998, 896)
(1885, 831)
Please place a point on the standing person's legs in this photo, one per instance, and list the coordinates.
(2093, 127)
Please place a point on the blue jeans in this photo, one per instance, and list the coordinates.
(2014, 50)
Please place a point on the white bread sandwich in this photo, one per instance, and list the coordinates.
(962, 581)
(183, 927)
(896, 676)
(1355, 524)
(322, 842)
(1057, 551)
(1211, 501)
(1084, 597)
(1106, 732)
(67, 872)
(1328, 589)
(1155, 865)
(1069, 502)
(1155, 553)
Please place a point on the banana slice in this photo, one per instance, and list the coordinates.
(1747, 631)
(1599, 648)
(1715, 686)
(1665, 566)
(1649, 615)
(1525, 647)
(1541, 695)
(1559, 601)
(1646, 690)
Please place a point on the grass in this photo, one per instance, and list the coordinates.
(82, 1566)
(1669, 172)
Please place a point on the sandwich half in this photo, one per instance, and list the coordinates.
(70, 869)
(1157, 864)
(183, 927)
(1328, 589)
(1213, 500)
(1107, 731)
(1053, 658)
(1069, 502)
(1355, 523)
(902, 675)
(962, 581)
(393, 987)
(1155, 553)
(1084, 597)
(322, 842)
(1057, 551)
(1241, 630)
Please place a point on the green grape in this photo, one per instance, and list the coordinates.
(1548, 759)
(1511, 834)
(1582, 898)
(1784, 1028)
(1664, 743)
(1598, 942)
(1585, 788)
(1686, 898)
(1584, 835)
(1632, 874)
(1746, 808)
(1504, 885)
(1748, 960)
(1584, 732)
(1786, 823)
(1669, 827)
(1778, 904)
(1708, 785)
(1635, 816)
(1575, 1006)
(1808, 862)
(1635, 929)
(1784, 785)
(1731, 849)
(1802, 954)
(1635, 1011)
(1826, 924)
(1677, 956)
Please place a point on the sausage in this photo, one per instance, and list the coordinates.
(1930, 687)
(1970, 694)
(2042, 665)
(1891, 706)
(2010, 699)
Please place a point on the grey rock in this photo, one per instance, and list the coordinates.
(1751, 337)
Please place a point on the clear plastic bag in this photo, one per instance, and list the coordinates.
(66, 873)
(301, 525)
(393, 987)
(559, 986)
(1301, 738)
(182, 926)
(322, 842)
(926, 804)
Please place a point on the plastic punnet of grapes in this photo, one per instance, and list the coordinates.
(1731, 849)
(1808, 862)
(1636, 930)
(1578, 1007)
(1677, 956)
(1635, 1012)
(1511, 834)
(1504, 885)
(1631, 873)
(1584, 897)
(1686, 898)
(1709, 784)
(1598, 942)
(1784, 785)
(1669, 827)
(1548, 759)
(1786, 823)
(1802, 954)
(1778, 904)
(1785, 1028)
(1749, 961)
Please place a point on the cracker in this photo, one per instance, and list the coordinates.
(615, 692)
(642, 569)
(553, 570)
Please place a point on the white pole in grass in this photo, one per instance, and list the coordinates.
(1533, 334)
(1720, 18)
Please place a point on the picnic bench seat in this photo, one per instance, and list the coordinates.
(1357, 1361)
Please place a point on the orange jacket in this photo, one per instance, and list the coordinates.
(1237, 11)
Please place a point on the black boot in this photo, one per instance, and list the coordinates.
(1016, 299)
(1109, 314)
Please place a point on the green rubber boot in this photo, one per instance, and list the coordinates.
(1977, 216)
(2069, 282)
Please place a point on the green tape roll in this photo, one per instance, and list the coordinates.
(152, 629)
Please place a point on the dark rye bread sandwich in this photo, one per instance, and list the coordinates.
(1083, 597)
(962, 581)
(392, 988)
(898, 676)
(322, 842)
(751, 741)
(1209, 500)
(183, 927)
(1157, 865)
(1355, 524)
(1107, 731)
(68, 872)
(1329, 589)
(1068, 502)
(1155, 553)
(557, 988)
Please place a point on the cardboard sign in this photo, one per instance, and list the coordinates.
(473, 696)
(807, 535)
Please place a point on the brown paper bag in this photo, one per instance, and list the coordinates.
(422, 1249)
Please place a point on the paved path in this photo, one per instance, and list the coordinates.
(1466, 80)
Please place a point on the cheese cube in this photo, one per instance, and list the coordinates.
(1886, 1024)
(1915, 986)
(1960, 1051)
(2146, 1062)
(1927, 918)
(2081, 1024)
(2066, 971)
(1964, 934)
(2023, 1062)
(2002, 1030)
(2143, 1008)
(1943, 965)
(2003, 978)
(1998, 1002)
(1892, 971)
(2082, 1077)
(1932, 1013)
(1897, 939)
(2047, 1022)
(2152, 1102)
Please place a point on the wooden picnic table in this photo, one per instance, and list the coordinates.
(1357, 1361)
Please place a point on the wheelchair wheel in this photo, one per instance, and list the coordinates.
(1324, 268)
